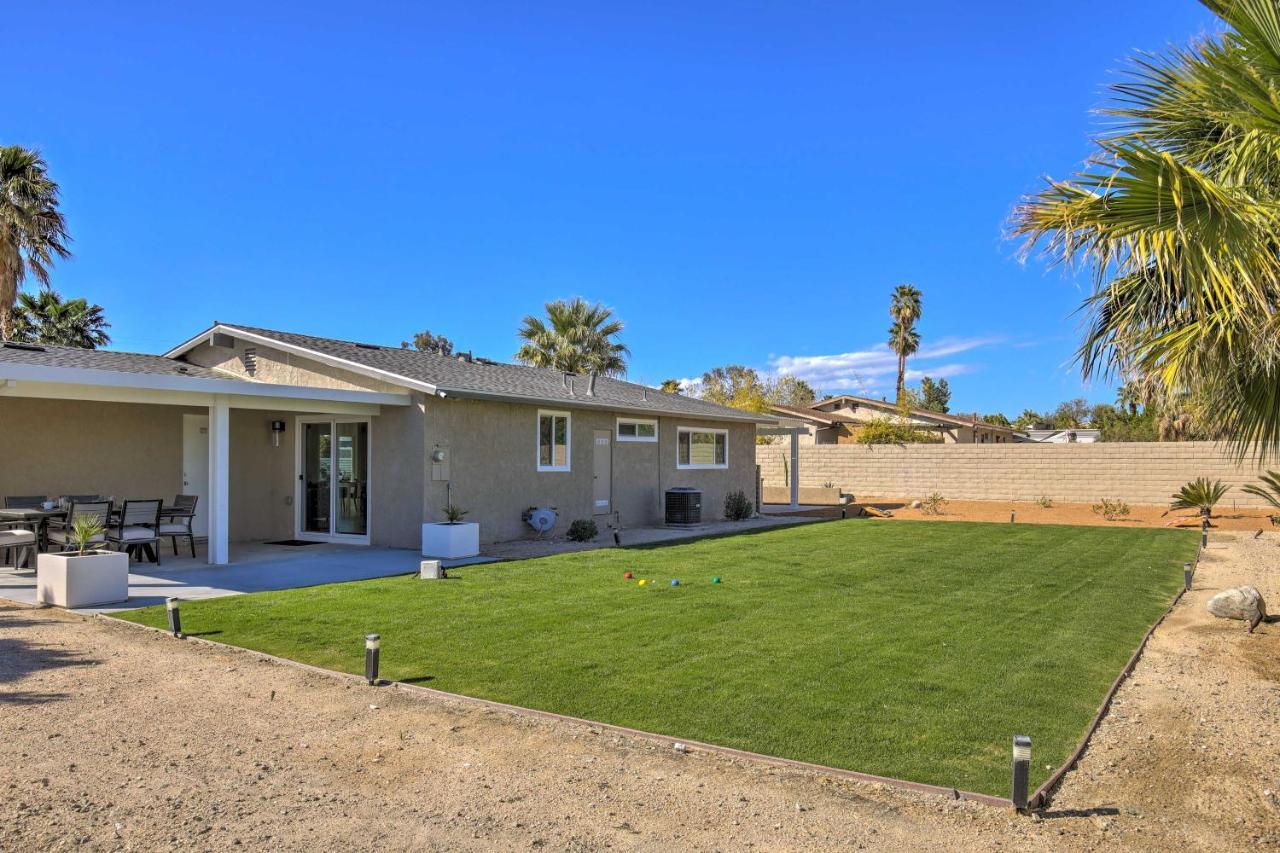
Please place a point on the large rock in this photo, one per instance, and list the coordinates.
(1243, 602)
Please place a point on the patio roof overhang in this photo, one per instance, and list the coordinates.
(67, 383)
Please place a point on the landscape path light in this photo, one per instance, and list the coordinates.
(1021, 771)
(371, 644)
(175, 616)
(1187, 573)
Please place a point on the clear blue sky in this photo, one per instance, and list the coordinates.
(741, 182)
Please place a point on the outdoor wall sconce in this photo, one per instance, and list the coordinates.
(437, 455)
(277, 429)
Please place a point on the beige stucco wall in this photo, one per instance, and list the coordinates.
(492, 450)
(57, 447)
(1140, 473)
(281, 368)
(397, 475)
(261, 477)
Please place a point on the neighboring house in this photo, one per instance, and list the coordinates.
(292, 436)
(838, 420)
(1064, 436)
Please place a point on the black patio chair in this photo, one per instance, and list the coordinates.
(24, 502)
(17, 540)
(137, 528)
(59, 530)
(178, 525)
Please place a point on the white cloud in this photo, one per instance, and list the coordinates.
(874, 370)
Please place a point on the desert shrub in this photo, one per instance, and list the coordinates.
(583, 530)
(829, 484)
(737, 506)
(1111, 508)
(453, 514)
(1201, 494)
(1045, 501)
(894, 431)
(933, 504)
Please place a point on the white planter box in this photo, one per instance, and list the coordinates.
(69, 580)
(451, 541)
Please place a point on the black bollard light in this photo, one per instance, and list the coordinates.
(175, 617)
(844, 512)
(1021, 771)
(371, 644)
(1187, 574)
(617, 539)
(1204, 534)
(1013, 516)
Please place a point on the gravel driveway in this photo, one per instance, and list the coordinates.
(116, 738)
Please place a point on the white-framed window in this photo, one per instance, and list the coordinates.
(702, 448)
(637, 429)
(554, 438)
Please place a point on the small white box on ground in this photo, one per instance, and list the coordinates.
(431, 570)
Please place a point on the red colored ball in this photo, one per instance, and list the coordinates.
(627, 576)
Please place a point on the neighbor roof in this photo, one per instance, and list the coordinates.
(47, 355)
(920, 413)
(481, 378)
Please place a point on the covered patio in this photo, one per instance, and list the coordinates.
(268, 462)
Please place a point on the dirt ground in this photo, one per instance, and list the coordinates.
(1225, 517)
(116, 738)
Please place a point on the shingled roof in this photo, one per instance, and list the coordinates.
(482, 378)
(47, 355)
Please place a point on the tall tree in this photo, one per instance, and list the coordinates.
(576, 338)
(788, 390)
(33, 232)
(1177, 214)
(424, 341)
(1029, 419)
(735, 385)
(936, 395)
(905, 308)
(44, 318)
(670, 386)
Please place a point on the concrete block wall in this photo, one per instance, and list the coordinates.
(1139, 473)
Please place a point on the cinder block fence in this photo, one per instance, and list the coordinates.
(1140, 473)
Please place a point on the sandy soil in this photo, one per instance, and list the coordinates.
(116, 738)
(1225, 517)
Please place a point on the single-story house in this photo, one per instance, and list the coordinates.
(839, 420)
(285, 435)
(1075, 435)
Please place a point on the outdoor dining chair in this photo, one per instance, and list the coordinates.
(24, 501)
(137, 528)
(177, 525)
(82, 499)
(59, 532)
(17, 540)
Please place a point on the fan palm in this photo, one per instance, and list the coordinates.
(44, 318)
(1177, 217)
(905, 308)
(575, 337)
(33, 232)
(1269, 491)
(1202, 494)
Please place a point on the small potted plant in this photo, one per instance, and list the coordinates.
(453, 538)
(86, 577)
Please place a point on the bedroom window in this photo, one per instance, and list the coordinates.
(637, 429)
(702, 448)
(553, 441)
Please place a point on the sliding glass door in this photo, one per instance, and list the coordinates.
(333, 478)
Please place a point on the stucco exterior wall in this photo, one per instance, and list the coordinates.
(492, 450)
(397, 474)
(1140, 473)
(282, 368)
(261, 477)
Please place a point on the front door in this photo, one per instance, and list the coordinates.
(333, 479)
(195, 468)
(603, 482)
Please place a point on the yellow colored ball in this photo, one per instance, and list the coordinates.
(643, 582)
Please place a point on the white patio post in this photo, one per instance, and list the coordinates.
(219, 480)
(795, 468)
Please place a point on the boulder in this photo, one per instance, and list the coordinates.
(1243, 602)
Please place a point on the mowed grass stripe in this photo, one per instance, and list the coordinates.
(913, 650)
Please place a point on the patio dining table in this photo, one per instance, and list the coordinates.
(38, 518)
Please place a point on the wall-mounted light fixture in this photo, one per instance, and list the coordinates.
(437, 455)
(277, 429)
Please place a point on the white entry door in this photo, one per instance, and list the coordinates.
(602, 484)
(195, 467)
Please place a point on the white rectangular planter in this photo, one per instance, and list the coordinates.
(451, 541)
(69, 580)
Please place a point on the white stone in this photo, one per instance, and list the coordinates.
(430, 570)
(70, 580)
(451, 541)
(1243, 602)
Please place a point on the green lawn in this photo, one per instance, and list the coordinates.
(906, 649)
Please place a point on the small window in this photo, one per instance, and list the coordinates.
(702, 448)
(632, 429)
(553, 441)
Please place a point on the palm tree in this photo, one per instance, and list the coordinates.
(1177, 215)
(1269, 491)
(1202, 494)
(576, 338)
(33, 232)
(45, 318)
(905, 309)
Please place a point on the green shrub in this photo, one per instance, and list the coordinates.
(1045, 502)
(894, 431)
(933, 504)
(1201, 494)
(1110, 508)
(583, 530)
(737, 506)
